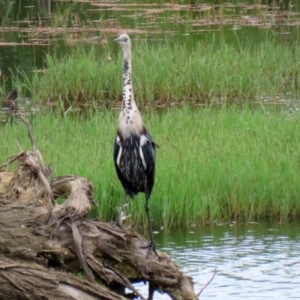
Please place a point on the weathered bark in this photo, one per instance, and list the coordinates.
(22, 280)
(42, 244)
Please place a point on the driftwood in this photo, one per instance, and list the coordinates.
(44, 246)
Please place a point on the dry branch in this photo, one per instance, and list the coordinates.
(43, 245)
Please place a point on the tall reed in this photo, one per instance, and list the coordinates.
(164, 72)
(212, 165)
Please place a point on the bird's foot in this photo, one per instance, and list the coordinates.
(152, 249)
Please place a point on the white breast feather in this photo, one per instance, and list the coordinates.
(130, 122)
(143, 141)
(118, 141)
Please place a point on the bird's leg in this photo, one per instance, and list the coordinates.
(151, 246)
(120, 217)
(151, 290)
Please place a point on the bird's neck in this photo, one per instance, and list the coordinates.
(130, 121)
(128, 98)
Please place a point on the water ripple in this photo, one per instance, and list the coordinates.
(257, 261)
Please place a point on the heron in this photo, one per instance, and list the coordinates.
(134, 148)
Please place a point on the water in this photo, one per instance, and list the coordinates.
(253, 261)
(29, 29)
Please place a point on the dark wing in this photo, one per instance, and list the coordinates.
(124, 168)
(116, 151)
(117, 157)
(148, 151)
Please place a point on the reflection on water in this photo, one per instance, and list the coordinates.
(254, 261)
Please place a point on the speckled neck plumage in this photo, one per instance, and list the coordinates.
(130, 121)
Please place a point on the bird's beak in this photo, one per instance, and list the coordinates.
(117, 40)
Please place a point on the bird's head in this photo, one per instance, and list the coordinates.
(125, 44)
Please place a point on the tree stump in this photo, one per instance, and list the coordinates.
(45, 246)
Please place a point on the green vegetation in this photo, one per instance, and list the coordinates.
(164, 72)
(212, 165)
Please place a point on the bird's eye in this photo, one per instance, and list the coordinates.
(125, 40)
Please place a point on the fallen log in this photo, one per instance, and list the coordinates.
(43, 245)
(27, 280)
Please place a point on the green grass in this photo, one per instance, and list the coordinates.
(212, 165)
(166, 71)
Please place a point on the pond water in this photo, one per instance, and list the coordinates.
(253, 261)
(29, 29)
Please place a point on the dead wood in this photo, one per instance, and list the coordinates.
(22, 280)
(43, 245)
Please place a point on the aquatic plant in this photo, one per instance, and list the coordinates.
(166, 72)
(212, 165)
